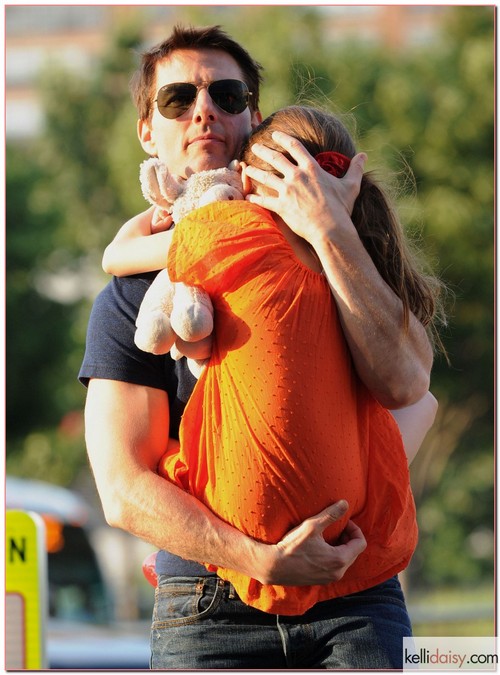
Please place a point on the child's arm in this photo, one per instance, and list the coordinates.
(138, 246)
(414, 422)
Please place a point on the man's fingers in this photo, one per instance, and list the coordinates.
(291, 145)
(357, 165)
(353, 536)
(277, 159)
(330, 515)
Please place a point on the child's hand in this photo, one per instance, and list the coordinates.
(161, 221)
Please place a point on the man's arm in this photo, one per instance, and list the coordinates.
(393, 364)
(127, 433)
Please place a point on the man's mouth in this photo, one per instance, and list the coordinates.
(207, 138)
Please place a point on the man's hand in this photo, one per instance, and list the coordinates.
(304, 558)
(305, 193)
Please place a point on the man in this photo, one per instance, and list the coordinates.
(134, 399)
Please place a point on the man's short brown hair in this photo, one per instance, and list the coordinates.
(189, 37)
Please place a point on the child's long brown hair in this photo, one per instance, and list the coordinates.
(373, 215)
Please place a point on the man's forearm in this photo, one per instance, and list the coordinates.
(193, 532)
(127, 434)
(159, 512)
(393, 363)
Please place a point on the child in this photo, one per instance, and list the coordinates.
(279, 426)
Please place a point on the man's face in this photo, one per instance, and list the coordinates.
(204, 137)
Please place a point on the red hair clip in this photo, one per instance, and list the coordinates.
(334, 162)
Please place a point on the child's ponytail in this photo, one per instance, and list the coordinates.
(397, 263)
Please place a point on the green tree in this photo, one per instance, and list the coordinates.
(62, 206)
(38, 333)
(453, 164)
(436, 114)
(94, 166)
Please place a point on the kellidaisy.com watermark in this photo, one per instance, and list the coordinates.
(450, 653)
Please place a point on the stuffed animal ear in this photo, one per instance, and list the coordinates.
(159, 186)
(152, 173)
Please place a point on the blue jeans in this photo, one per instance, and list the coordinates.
(200, 623)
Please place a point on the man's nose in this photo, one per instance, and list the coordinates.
(204, 109)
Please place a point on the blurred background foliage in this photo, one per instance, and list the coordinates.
(426, 119)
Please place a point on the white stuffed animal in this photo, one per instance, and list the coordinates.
(170, 310)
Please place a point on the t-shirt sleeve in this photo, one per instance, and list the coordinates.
(110, 351)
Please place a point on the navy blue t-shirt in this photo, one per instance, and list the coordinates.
(111, 354)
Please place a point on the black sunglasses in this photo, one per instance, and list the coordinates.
(231, 96)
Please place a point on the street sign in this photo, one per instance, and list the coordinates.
(26, 591)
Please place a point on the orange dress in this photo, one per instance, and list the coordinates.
(279, 426)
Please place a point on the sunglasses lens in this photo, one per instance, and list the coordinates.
(230, 95)
(174, 99)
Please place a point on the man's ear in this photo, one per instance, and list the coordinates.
(146, 137)
(246, 182)
(256, 119)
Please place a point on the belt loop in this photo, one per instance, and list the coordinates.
(227, 588)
